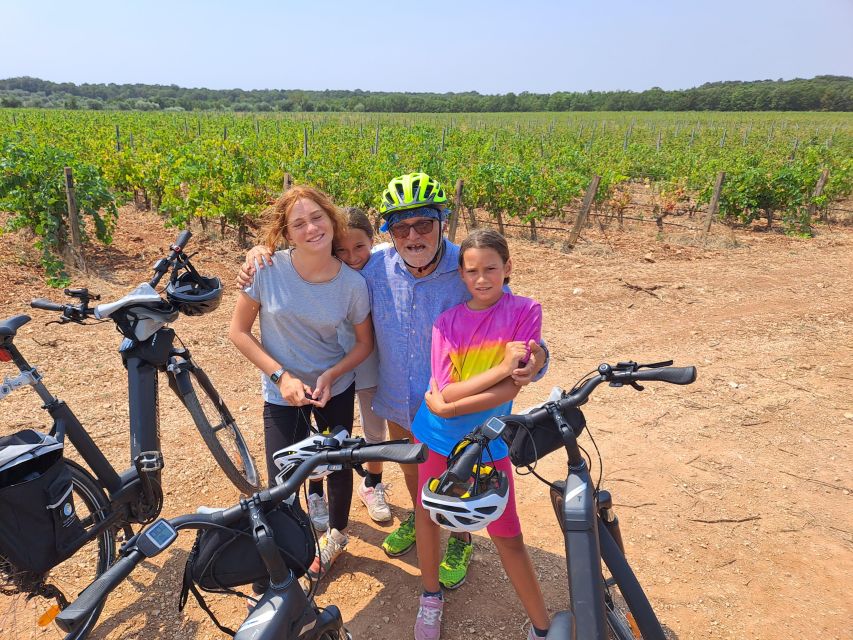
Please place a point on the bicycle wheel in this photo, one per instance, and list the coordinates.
(220, 433)
(25, 597)
(629, 614)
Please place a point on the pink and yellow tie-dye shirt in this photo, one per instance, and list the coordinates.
(466, 342)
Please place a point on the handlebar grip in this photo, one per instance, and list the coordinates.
(673, 375)
(42, 303)
(401, 453)
(462, 466)
(183, 238)
(76, 613)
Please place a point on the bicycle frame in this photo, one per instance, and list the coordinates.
(131, 487)
(577, 512)
(588, 542)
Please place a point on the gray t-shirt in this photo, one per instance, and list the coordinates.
(299, 320)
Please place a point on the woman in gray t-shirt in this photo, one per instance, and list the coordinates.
(301, 301)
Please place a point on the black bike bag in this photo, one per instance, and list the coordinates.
(526, 446)
(225, 558)
(39, 528)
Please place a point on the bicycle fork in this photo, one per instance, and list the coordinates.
(608, 517)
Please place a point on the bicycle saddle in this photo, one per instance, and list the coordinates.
(9, 327)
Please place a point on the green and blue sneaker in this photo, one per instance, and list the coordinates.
(454, 567)
(402, 540)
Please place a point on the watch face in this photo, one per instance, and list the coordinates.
(274, 377)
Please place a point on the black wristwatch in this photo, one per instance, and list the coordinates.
(276, 375)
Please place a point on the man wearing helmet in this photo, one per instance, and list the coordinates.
(410, 284)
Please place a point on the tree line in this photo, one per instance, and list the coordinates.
(821, 93)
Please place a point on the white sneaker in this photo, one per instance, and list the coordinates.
(374, 499)
(318, 511)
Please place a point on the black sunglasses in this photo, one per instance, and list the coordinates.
(422, 227)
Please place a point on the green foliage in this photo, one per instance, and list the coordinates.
(525, 166)
(821, 93)
(32, 188)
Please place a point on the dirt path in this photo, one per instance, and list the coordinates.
(733, 493)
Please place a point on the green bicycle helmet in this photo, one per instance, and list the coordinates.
(411, 191)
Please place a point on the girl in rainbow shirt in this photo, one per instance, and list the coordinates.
(475, 347)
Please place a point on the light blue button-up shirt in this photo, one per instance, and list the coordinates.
(404, 309)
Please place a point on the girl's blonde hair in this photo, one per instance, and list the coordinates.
(275, 231)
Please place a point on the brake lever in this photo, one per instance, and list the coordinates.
(656, 365)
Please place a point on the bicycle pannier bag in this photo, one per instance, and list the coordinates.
(225, 558)
(39, 527)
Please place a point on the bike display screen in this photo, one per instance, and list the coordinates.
(161, 533)
(156, 538)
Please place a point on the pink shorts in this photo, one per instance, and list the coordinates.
(508, 525)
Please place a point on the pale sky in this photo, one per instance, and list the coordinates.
(490, 46)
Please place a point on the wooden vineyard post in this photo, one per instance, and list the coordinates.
(500, 218)
(657, 147)
(457, 210)
(305, 141)
(118, 139)
(74, 220)
(584, 212)
(818, 190)
(472, 218)
(714, 206)
(287, 183)
(533, 230)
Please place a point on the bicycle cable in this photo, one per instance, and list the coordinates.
(600, 459)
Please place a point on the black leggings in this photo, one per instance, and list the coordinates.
(285, 425)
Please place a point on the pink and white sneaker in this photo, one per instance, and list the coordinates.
(374, 499)
(428, 622)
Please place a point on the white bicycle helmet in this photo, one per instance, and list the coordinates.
(288, 458)
(470, 504)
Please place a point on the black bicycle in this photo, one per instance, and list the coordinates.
(105, 501)
(285, 611)
(601, 606)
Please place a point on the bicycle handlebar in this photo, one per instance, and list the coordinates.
(619, 375)
(47, 305)
(80, 312)
(76, 613)
(162, 265)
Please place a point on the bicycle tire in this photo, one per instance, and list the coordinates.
(220, 433)
(629, 614)
(19, 617)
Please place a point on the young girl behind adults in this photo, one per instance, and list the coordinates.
(354, 250)
(300, 301)
(475, 347)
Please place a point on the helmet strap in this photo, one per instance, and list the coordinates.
(439, 253)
